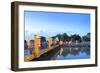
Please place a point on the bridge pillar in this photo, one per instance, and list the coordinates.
(37, 44)
(49, 42)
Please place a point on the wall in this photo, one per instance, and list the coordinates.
(5, 40)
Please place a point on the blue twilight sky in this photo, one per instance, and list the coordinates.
(51, 23)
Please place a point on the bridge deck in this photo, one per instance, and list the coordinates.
(42, 53)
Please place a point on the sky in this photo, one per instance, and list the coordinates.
(49, 24)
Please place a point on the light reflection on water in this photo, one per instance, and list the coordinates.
(68, 53)
(74, 53)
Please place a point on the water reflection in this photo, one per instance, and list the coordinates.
(74, 53)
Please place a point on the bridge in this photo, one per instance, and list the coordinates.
(37, 53)
(51, 51)
(46, 54)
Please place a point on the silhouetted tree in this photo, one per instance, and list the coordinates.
(43, 39)
(54, 37)
(86, 38)
(58, 36)
(75, 37)
(66, 37)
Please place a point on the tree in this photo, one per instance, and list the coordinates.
(75, 37)
(66, 37)
(43, 39)
(86, 38)
(54, 37)
(58, 36)
(62, 38)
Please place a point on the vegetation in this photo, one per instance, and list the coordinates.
(73, 38)
(43, 39)
(86, 37)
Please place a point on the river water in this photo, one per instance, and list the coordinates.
(68, 53)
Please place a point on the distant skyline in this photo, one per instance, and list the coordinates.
(49, 24)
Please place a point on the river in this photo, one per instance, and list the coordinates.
(68, 53)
